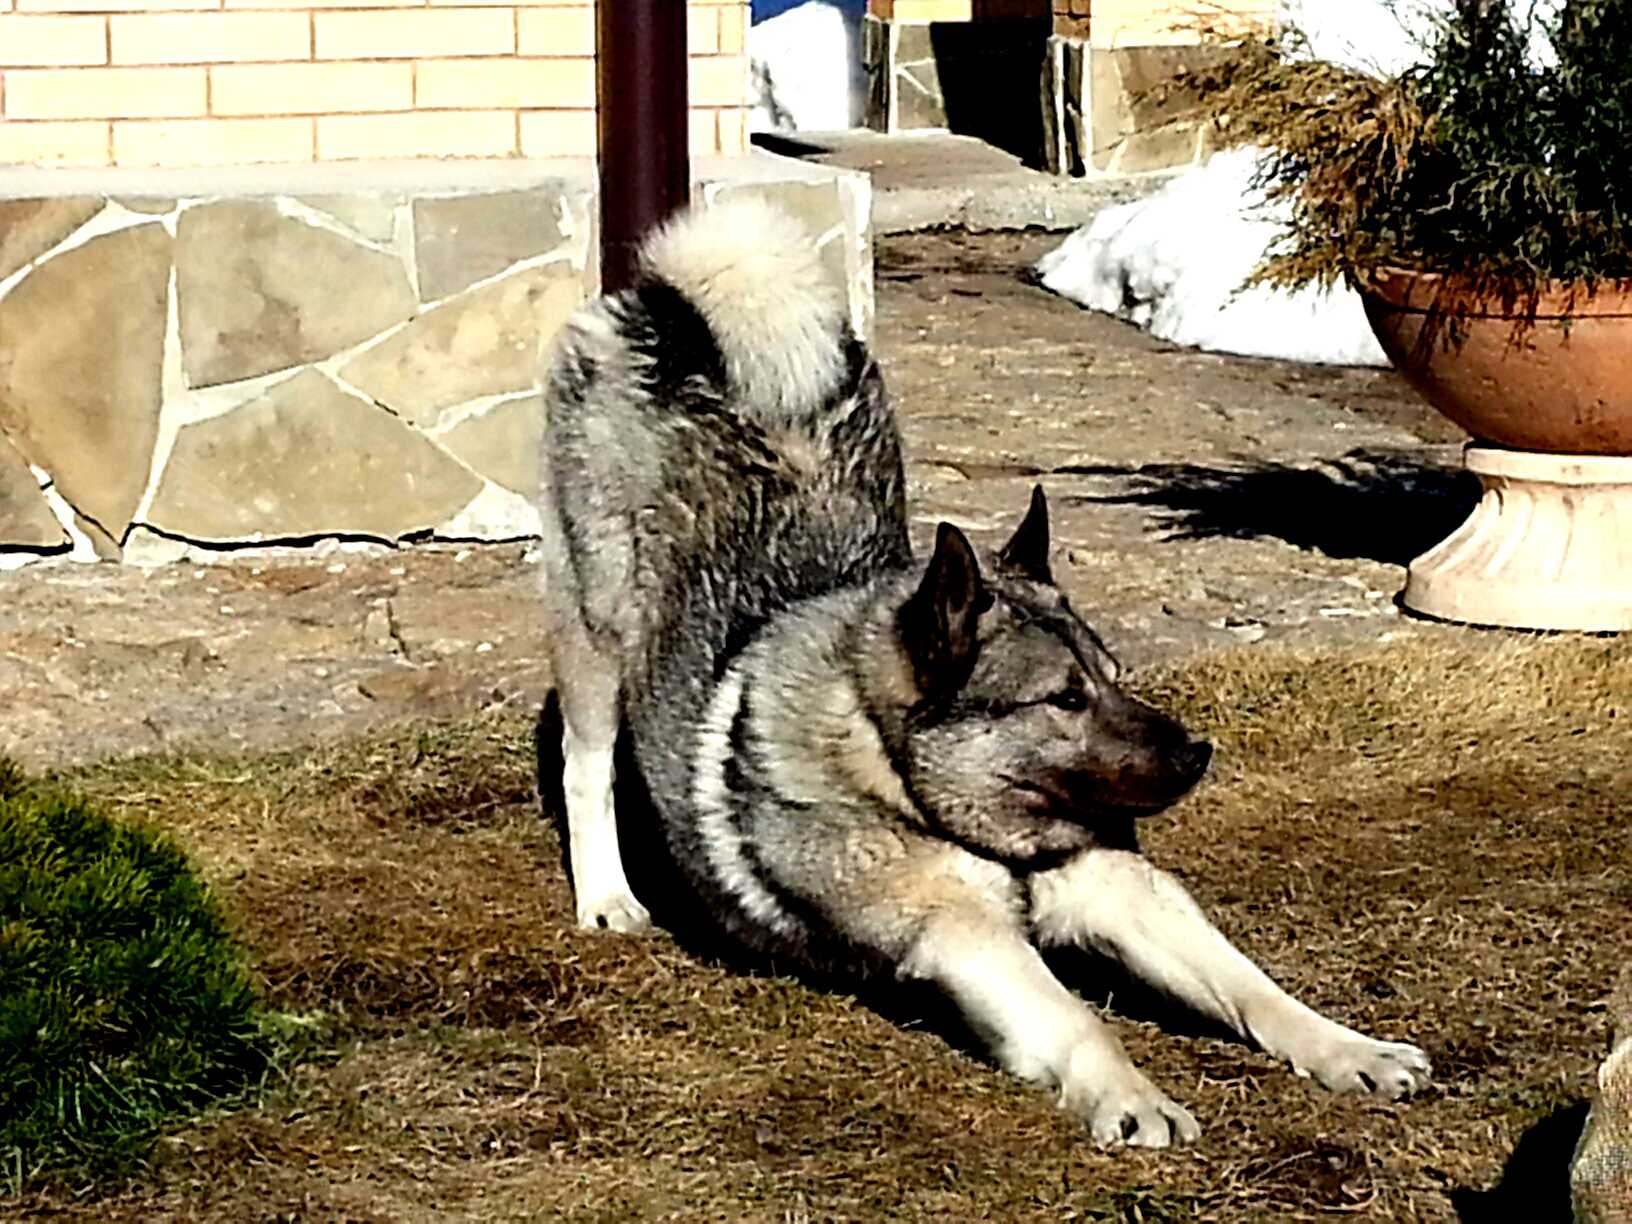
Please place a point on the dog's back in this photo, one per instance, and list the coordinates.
(717, 445)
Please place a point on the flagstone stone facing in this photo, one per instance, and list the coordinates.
(26, 520)
(463, 239)
(258, 293)
(307, 458)
(502, 442)
(481, 343)
(211, 363)
(371, 217)
(1101, 116)
(29, 228)
(81, 351)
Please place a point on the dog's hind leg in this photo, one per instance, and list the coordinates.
(1116, 903)
(588, 682)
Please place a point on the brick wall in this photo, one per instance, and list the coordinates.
(1140, 23)
(921, 10)
(1071, 18)
(1107, 23)
(212, 82)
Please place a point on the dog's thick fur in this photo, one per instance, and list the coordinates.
(855, 762)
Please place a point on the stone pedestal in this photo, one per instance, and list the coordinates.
(1548, 547)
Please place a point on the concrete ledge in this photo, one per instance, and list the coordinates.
(421, 176)
(928, 180)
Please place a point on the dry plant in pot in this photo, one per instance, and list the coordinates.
(1481, 203)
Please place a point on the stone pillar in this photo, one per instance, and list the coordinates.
(1100, 115)
(1067, 143)
(903, 81)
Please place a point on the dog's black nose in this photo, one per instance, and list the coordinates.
(1193, 758)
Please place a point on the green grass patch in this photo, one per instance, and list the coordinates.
(124, 1002)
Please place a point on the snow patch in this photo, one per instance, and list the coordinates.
(806, 70)
(1383, 37)
(1175, 262)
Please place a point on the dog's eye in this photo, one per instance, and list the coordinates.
(1070, 699)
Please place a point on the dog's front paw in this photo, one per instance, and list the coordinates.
(1353, 1063)
(616, 911)
(1130, 1111)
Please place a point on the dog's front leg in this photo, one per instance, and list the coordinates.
(1040, 1031)
(1117, 903)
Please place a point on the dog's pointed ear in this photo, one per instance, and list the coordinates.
(1026, 555)
(938, 621)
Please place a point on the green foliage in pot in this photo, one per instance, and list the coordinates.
(1510, 176)
(123, 1001)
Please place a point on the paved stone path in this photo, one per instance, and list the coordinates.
(1201, 502)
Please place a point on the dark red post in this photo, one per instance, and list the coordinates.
(642, 104)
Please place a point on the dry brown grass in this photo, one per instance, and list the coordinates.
(1427, 841)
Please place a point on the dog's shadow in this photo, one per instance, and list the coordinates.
(1376, 505)
(1535, 1184)
(1097, 980)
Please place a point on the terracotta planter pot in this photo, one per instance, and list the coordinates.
(1550, 544)
(1563, 387)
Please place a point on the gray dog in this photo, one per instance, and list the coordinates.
(904, 771)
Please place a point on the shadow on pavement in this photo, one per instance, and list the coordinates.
(1376, 505)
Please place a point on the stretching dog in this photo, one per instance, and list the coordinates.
(900, 771)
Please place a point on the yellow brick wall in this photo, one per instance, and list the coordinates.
(921, 10)
(1143, 23)
(1107, 23)
(213, 82)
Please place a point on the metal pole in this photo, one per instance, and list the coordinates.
(643, 125)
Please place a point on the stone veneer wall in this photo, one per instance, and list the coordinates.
(235, 82)
(199, 361)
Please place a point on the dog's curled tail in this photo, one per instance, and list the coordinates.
(754, 273)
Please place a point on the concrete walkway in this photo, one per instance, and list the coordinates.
(932, 179)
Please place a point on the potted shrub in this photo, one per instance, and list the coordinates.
(1481, 203)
